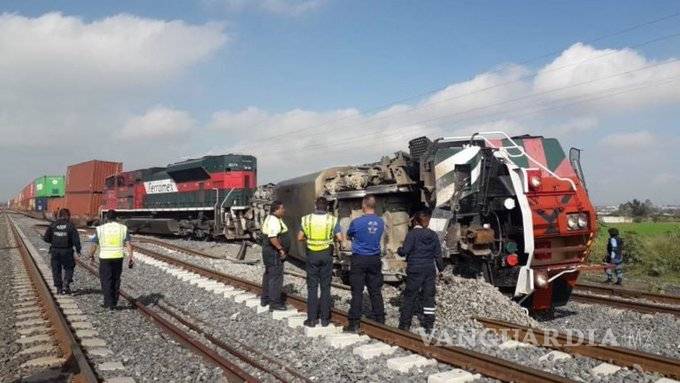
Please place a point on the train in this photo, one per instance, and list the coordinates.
(513, 211)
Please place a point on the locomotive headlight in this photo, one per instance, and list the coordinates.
(582, 220)
(572, 221)
(509, 203)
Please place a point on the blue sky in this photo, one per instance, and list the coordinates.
(305, 63)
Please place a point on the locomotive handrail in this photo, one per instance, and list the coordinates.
(504, 150)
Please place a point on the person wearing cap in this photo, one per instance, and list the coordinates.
(318, 230)
(422, 250)
(62, 236)
(275, 245)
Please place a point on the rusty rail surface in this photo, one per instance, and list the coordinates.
(456, 356)
(643, 307)
(76, 362)
(232, 372)
(627, 293)
(621, 356)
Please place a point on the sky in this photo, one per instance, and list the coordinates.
(308, 84)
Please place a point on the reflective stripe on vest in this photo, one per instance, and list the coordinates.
(318, 230)
(111, 238)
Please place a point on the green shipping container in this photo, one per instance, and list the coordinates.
(49, 186)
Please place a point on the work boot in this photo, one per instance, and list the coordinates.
(264, 303)
(309, 323)
(618, 282)
(60, 291)
(67, 290)
(352, 327)
(609, 280)
(279, 307)
(325, 322)
(404, 327)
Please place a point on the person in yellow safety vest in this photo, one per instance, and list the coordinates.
(111, 239)
(275, 246)
(319, 229)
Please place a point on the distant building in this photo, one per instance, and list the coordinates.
(616, 219)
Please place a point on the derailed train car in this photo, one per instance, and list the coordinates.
(513, 210)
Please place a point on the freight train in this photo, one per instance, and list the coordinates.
(512, 210)
(208, 197)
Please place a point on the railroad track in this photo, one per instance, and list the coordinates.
(455, 356)
(627, 299)
(198, 253)
(618, 355)
(76, 365)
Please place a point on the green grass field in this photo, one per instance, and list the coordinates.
(651, 252)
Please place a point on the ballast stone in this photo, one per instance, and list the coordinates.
(453, 376)
(554, 356)
(296, 320)
(404, 363)
(605, 369)
(508, 344)
(283, 314)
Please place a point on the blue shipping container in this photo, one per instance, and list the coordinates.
(41, 204)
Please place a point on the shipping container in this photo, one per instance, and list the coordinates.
(54, 204)
(90, 176)
(41, 203)
(83, 205)
(49, 186)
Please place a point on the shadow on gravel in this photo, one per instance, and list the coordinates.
(151, 299)
(86, 292)
(555, 314)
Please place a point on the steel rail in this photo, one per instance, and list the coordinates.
(627, 293)
(233, 372)
(457, 356)
(643, 307)
(76, 362)
(622, 356)
(206, 255)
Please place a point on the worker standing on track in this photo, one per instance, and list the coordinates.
(111, 239)
(275, 245)
(422, 250)
(62, 236)
(366, 266)
(319, 229)
(614, 256)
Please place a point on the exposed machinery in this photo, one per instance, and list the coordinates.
(513, 210)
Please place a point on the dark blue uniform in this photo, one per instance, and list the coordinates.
(423, 258)
(62, 236)
(366, 267)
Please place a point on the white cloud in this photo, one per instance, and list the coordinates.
(289, 8)
(582, 71)
(629, 140)
(157, 123)
(113, 52)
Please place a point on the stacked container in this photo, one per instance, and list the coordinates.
(84, 187)
(47, 188)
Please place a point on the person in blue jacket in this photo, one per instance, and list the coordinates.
(422, 250)
(366, 233)
(614, 256)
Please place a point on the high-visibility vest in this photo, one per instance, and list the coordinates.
(111, 238)
(318, 229)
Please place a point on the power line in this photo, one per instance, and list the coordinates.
(528, 96)
(549, 54)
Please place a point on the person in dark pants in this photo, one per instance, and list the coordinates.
(422, 250)
(275, 245)
(366, 266)
(111, 239)
(62, 236)
(614, 257)
(318, 230)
